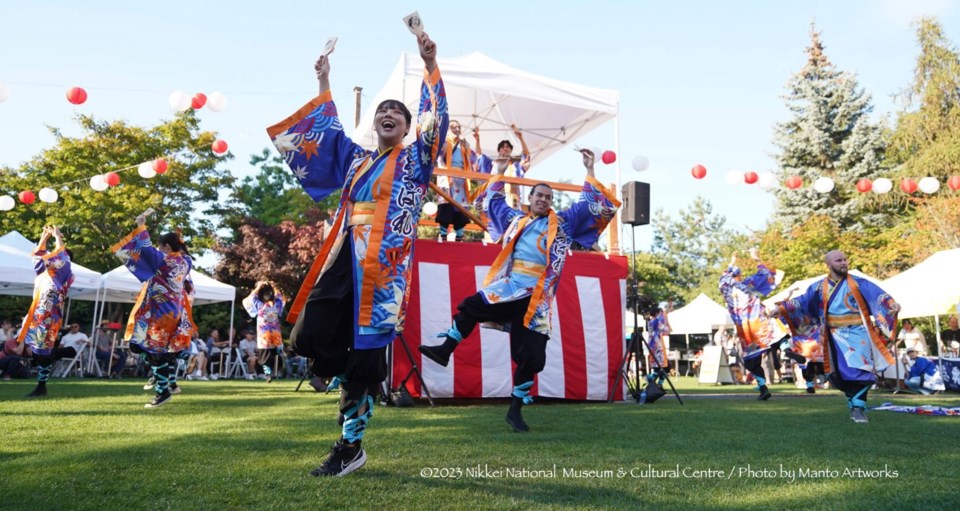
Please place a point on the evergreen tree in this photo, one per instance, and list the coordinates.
(829, 135)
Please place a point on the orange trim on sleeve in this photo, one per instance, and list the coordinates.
(132, 320)
(432, 78)
(311, 279)
(603, 189)
(28, 319)
(875, 336)
(126, 239)
(371, 262)
(299, 115)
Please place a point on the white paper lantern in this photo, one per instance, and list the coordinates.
(430, 208)
(7, 203)
(217, 102)
(734, 177)
(823, 185)
(145, 170)
(882, 185)
(929, 185)
(48, 195)
(179, 100)
(4, 92)
(767, 180)
(98, 183)
(641, 163)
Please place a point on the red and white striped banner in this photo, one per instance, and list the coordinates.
(583, 354)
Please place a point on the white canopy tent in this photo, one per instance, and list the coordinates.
(799, 287)
(930, 288)
(119, 285)
(700, 316)
(487, 94)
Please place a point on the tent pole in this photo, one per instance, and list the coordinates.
(616, 146)
(230, 352)
(936, 321)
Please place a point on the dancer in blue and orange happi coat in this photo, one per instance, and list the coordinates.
(265, 303)
(352, 302)
(161, 324)
(41, 326)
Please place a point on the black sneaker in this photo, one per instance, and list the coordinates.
(811, 390)
(174, 389)
(159, 400)
(269, 378)
(40, 391)
(343, 459)
(515, 418)
(764, 394)
(150, 383)
(436, 353)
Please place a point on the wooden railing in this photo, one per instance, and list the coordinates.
(613, 229)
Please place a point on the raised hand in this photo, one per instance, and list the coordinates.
(428, 51)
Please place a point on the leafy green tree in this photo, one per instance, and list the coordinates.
(694, 248)
(186, 196)
(829, 134)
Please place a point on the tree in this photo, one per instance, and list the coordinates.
(694, 248)
(93, 221)
(828, 135)
(273, 195)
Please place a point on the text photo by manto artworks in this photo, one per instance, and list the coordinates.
(485, 471)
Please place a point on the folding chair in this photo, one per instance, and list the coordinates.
(238, 366)
(65, 366)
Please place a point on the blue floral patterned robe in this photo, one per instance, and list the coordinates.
(456, 156)
(42, 324)
(325, 160)
(853, 317)
(162, 317)
(757, 332)
(658, 327)
(538, 243)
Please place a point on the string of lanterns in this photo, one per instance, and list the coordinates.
(927, 185)
(179, 101)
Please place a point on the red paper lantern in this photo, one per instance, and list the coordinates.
(27, 197)
(794, 182)
(608, 157)
(76, 95)
(219, 146)
(864, 185)
(908, 185)
(112, 178)
(199, 99)
(698, 171)
(954, 183)
(750, 177)
(159, 165)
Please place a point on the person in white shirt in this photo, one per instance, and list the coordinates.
(248, 350)
(913, 338)
(74, 338)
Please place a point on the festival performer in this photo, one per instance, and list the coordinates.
(456, 155)
(756, 332)
(523, 279)
(658, 326)
(265, 303)
(855, 319)
(353, 300)
(42, 323)
(161, 323)
(506, 164)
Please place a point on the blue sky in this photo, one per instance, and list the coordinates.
(700, 81)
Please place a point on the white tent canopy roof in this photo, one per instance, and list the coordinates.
(484, 93)
(802, 285)
(929, 288)
(17, 274)
(698, 316)
(121, 286)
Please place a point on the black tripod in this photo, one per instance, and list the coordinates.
(636, 341)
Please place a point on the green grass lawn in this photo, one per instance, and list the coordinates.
(249, 445)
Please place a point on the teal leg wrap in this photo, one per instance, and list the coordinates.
(355, 424)
(443, 231)
(335, 382)
(761, 381)
(44, 373)
(163, 381)
(523, 391)
(452, 333)
(856, 402)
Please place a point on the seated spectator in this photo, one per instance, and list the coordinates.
(13, 357)
(116, 360)
(913, 338)
(950, 337)
(197, 363)
(6, 330)
(248, 353)
(74, 339)
(923, 376)
(217, 349)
